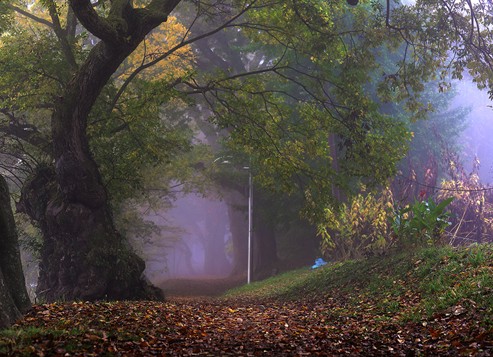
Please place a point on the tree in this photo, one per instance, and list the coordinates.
(280, 119)
(447, 35)
(14, 300)
(83, 255)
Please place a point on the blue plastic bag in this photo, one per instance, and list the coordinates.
(318, 263)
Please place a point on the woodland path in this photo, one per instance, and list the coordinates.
(199, 286)
(205, 326)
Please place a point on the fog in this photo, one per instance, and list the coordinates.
(195, 241)
(476, 140)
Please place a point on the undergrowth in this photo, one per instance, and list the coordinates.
(408, 286)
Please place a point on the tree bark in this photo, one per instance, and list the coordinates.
(83, 256)
(14, 300)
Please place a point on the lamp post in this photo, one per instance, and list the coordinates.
(224, 160)
(250, 222)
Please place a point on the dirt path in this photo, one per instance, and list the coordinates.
(199, 287)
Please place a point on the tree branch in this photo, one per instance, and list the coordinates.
(62, 36)
(228, 23)
(89, 18)
(29, 134)
(71, 26)
(29, 15)
(160, 9)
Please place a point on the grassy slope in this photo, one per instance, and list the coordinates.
(410, 286)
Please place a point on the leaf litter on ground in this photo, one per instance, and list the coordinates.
(432, 303)
(205, 326)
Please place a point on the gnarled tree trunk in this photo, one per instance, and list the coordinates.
(14, 300)
(83, 256)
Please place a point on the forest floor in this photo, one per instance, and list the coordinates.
(203, 286)
(434, 302)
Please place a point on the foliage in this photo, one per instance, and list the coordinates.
(472, 208)
(443, 35)
(5, 18)
(130, 137)
(161, 43)
(423, 222)
(130, 143)
(312, 84)
(434, 301)
(315, 62)
(370, 224)
(358, 228)
(318, 58)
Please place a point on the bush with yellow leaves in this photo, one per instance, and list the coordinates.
(472, 208)
(360, 228)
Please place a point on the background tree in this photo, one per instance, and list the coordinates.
(14, 300)
(425, 164)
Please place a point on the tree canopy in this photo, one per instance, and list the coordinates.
(94, 95)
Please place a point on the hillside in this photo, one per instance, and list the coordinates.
(406, 286)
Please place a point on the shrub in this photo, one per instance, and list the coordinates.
(358, 228)
(370, 225)
(422, 223)
(472, 208)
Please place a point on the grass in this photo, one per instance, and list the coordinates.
(24, 337)
(408, 286)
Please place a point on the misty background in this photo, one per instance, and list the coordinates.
(200, 243)
(194, 239)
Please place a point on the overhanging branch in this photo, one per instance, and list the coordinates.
(29, 15)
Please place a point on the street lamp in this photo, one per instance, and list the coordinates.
(224, 160)
(250, 222)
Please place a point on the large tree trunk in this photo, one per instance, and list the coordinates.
(264, 249)
(14, 300)
(83, 256)
(238, 221)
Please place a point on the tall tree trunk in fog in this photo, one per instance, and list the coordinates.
(265, 249)
(238, 222)
(215, 261)
(14, 300)
(265, 218)
(83, 256)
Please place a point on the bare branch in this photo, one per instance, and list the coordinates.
(29, 15)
